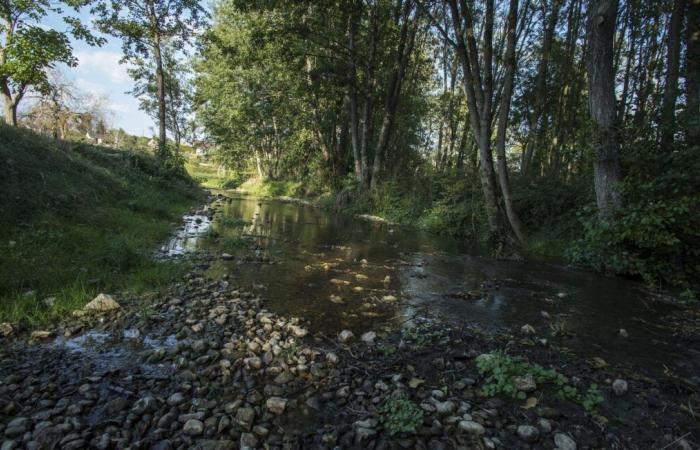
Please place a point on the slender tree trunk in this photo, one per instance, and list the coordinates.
(692, 71)
(354, 139)
(510, 62)
(601, 88)
(10, 110)
(673, 56)
(160, 88)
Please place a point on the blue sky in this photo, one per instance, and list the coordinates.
(99, 72)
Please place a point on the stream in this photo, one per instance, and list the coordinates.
(340, 273)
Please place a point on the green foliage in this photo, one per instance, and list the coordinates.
(78, 219)
(422, 334)
(399, 414)
(499, 370)
(386, 349)
(656, 234)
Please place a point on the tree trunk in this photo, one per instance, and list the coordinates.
(692, 71)
(673, 54)
(510, 63)
(160, 93)
(10, 110)
(601, 88)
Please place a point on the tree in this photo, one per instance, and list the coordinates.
(602, 15)
(28, 51)
(673, 56)
(145, 28)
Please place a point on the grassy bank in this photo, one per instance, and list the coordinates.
(76, 220)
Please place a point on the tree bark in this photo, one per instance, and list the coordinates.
(506, 96)
(601, 87)
(160, 81)
(673, 56)
(692, 71)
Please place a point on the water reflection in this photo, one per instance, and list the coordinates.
(331, 270)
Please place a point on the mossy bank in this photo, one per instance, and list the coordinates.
(77, 219)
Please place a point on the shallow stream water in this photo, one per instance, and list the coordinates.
(338, 272)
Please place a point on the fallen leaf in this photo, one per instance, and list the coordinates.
(415, 382)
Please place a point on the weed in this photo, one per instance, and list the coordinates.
(421, 334)
(399, 414)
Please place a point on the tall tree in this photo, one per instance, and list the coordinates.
(28, 51)
(145, 27)
(692, 70)
(673, 56)
(602, 15)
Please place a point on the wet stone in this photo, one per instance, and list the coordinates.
(471, 427)
(193, 427)
(528, 433)
(564, 442)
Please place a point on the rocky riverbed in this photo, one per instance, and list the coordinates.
(206, 365)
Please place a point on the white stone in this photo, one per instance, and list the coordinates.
(346, 336)
(102, 303)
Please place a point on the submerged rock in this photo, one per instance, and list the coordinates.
(102, 303)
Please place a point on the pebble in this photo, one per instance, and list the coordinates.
(345, 336)
(471, 427)
(193, 427)
(368, 337)
(276, 405)
(620, 387)
(528, 433)
(564, 442)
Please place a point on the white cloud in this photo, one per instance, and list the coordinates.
(103, 64)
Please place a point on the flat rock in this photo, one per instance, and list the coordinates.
(471, 427)
(193, 427)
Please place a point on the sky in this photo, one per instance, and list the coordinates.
(99, 72)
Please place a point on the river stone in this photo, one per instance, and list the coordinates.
(298, 331)
(102, 303)
(527, 329)
(6, 329)
(444, 408)
(143, 404)
(564, 442)
(17, 427)
(525, 383)
(528, 433)
(332, 358)
(255, 363)
(276, 405)
(248, 441)
(193, 427)
(176, 399)
(40, 334)
(471, 427)
(245, 417)
(346, 336)
(619, 386)
(368, 337)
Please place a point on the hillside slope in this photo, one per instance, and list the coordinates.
(76, 219)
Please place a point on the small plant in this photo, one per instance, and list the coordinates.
(386, 349)
(501, 369)
(399, 414)
(421, 334)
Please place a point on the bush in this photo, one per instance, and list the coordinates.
(656, 235)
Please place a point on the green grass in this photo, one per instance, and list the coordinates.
(208, 175)
(76, 220)
(268, 188)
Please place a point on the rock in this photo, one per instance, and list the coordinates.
(623, 333)
(338, 300)
(364, 429)
(545, 425)
(49, 302)
(226, 256)
(525, 383)
(276, 405)
(6, 329)
(245, 417)
(143, 404)
(545, 315)
(528, 433)
(527, 329)
(255, 363)
(445, 408)
(346, 336)
(193, 427)
(389, 298)
(40, 334)
(248, 441)
(298, 331)
(564, 442)
(176, 399)
(387, 279)
(360, 277)
(17, 427)
(332, 358)
(368, 337)
(562, 294)
(620, 387)
(471, 427)
(102, 303)
(199, 346)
